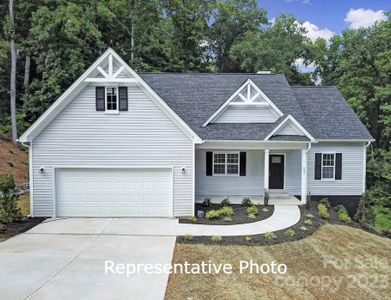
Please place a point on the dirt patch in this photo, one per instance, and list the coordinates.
(357, 260)
(9, 230)
(14, 160)
(239, 217)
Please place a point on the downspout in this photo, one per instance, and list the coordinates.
(31, 186)
(366, 145)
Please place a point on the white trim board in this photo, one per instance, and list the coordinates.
(249, 83)
(82, 82)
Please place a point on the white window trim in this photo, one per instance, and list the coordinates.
(225, 153)
(321, 167)
(111, 111)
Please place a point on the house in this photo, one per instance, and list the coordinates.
(121, 143)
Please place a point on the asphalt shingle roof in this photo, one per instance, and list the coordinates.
(195, 97)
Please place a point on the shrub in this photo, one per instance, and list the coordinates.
(310, 216)
(266, 209)
(193, 219)
(216, 238)
(225, 202)
(228, 219)
(252, 210)
(325, 202)
(270, 236)
(308, 203)
(246, 202)
(290, 233)
(266, 198)
(248, 238)
(188, 237)
(11, 151)
(303, 228)
(206, 202)
(308, 222)
(8, 208)
(323, 212)
(226, 211)
(344, 217)
(339, 208)
(251, 216)
(10, 164)
(212, 214)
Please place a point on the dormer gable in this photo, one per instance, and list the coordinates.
(289, 126)
(247, 105)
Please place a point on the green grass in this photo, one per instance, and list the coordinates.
(383, 218)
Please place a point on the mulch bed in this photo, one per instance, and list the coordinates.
(280, 235)
(239, 217)
(9, 230)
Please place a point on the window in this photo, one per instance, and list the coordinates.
(225, 163)
(111, 99)
(328, 166)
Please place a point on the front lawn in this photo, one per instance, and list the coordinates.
(360, 261)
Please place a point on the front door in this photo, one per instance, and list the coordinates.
(276, 171)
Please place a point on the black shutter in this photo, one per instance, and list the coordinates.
(243, 163)
(318, 166)
(209, 163)
(338, 166)
(123, 98)
(100, 98)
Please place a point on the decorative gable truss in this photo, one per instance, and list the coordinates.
(291, 127)
(247, 105)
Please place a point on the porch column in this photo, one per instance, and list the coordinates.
(303, 175)
(266, 171)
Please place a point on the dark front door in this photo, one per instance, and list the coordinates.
(276, 171)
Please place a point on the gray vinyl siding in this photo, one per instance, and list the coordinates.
(251, 114)
(252, 184)
(142, 136)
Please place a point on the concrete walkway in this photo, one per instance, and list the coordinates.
(284, 216)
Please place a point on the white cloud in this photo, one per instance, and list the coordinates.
(302, 1)
(313, 31)
(363, 17)
(302, 67)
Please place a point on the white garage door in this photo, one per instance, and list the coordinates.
(113, 192)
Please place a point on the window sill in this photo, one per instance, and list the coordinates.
(226, 175)
(114, 112)
(327, 179)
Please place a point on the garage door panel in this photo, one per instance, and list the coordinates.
(113, 193)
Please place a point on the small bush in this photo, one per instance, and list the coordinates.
(246, 202)
(308, 203)
(266, 209)
(10, 164)
(323, 211)
(225, 202)
(228, 219)
(212, 214)
(303, 228)
(325, 202)
(248, 238)
(251, 216)
(206, 202)
(226, 211)
(344, 217)
(270, 236)
(216, 238)
(310, 216)
(11, 151)
(193, 219)
(339, 208)
(308, 222)
(290, 233)
(252, 210)
(8, 207)
(188, 237)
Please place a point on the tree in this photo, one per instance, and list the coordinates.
(13, 72)
(276, 48)
(232, 20)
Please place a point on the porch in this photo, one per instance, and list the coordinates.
(278, 169)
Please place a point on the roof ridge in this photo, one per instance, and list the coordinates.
(312, 86)
(209, 73)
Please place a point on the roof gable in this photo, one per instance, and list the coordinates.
(248, 97)
(289, 126)
(108, 68)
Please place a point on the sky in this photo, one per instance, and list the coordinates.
(326, 18)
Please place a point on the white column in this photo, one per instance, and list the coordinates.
(266, 171)
(303, 175)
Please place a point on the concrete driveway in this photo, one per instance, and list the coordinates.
(65, 259)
